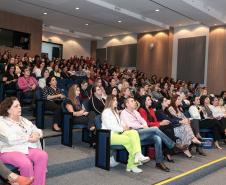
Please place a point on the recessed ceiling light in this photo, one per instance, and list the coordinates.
(77, 8)
(215, 24)
(86, 24)
(45, 13)
(157, 10)
(119, 21)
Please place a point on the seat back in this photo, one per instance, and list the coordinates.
(66, 138)
(39, 108)
(102, 157)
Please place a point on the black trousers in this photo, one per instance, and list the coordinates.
(56, 109)
(223, 124)
(195, 126)
(169, 131)
(88, 120)
(214, 125)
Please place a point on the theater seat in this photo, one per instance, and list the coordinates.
(68, 126)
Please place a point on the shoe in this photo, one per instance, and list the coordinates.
(21, 180)
(144, 159)
(200, 151)
(162, 167)
(140, 158)
(196, 141)
(134, 170)
(169, 160)
(113, 162)
(199, 137)
(179, 148)
(139, 164)
(187, 154)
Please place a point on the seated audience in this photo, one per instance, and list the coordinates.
(53, 97)
(45, 75)
(96, 102)
(197, 112)
(19, 144)
(27, 83)
(122, 135)
(148, 113)
(134, 121)
(183, 130)
(85, 91)
(80, 114)
(10, 79)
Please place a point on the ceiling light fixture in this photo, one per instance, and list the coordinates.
(157, 10)
(119, 21)
(77, 8)
(45, 13)
(86, 24)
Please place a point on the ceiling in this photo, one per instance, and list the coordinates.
(102, 16)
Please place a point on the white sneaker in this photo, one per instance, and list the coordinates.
(140, 158)
(144, 159)
(113, 162)
(134, 170)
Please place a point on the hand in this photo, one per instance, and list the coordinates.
(34, 137)
(184, 121)
(154, 127)
(33, 87)
(125, 127)
(145, 126)
(85, 113)
(62, 96)
(165, 122)
(81, 112)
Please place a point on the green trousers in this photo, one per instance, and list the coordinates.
(131, 141)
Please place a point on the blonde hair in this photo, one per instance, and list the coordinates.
(109, 103)
(72, 95)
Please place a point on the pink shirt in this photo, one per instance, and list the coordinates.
(25, 83)
(132, 119)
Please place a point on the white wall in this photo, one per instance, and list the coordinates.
(185, 32)
(71, 46)
(117, 40)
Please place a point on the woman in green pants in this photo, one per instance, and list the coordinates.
(121, 135)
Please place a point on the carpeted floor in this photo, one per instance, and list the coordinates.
(75, 166)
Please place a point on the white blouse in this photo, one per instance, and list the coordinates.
(14, 136)
(111, 121)
(194, 112)
(217, 111)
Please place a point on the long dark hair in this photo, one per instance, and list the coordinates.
(143, 105)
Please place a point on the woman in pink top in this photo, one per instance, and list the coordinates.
(27, 83)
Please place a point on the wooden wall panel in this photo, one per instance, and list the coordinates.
(122, 55)
(170, 54)
(156, 60)
(24, 24)
(93, 47)
(101, 55)
(191, 59)
(216, 79)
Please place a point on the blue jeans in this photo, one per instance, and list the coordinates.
(156, 137)
(98, 122)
